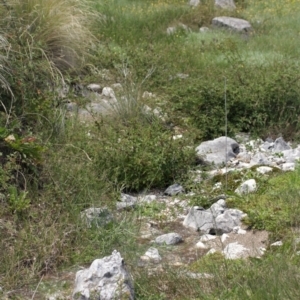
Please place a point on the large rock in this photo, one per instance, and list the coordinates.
(225, 4)
(105, 279)
(199, 219)
(215, 220)
(217, 151)
(234, 24)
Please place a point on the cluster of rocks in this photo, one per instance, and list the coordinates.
(230, 23)
(264, 156)
(216, 229)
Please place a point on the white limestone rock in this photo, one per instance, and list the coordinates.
(249, 186)
(105, 279)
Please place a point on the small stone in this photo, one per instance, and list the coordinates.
(127, 201)
(147, 198)
(211, 251)
(199, 275)
(224, 237)
(264, 170)
(277, 244)
(200, 245)
(225, 4)
(169, 239)
(194, 3)
(207, 237)
(152, 254)
(246, 187)
(108, 92)
(238, 230)
(204, 29)
(94, 87)
(262, 250)
(288, 167)
(174, 189)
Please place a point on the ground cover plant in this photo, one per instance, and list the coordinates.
(54, 166)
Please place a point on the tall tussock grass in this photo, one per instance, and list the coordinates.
(58, 28)
(47, 40)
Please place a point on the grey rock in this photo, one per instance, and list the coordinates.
(207, 237)
(108, 92)
(71, 106)
(199, 220)
(277, 244)
(2, 197)
(215, 220)
(249, 186)
(174, 189)
(147, 198)
(126, 201)
(264, 170)
(217, 151)
(244, 157)
(182, 75)
(260, 159)
(233, 24)
(204, 29)
(171, 30)
(169, 239)
(96, 216)
(217, 209)
(267, 146)
(225, 4)
(117, 86)
(291, 155)
(151, 254)
(105, 279)
(194, 3)
(94, 87)
(235, 251)
(280, 145)
(228, 220)
(199, 275)
(200, 245)
(288, 167)
(102, 107)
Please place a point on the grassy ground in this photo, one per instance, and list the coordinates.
(54, 167)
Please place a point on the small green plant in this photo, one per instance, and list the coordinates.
(18, 201)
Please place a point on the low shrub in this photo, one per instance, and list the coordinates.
(141, 155)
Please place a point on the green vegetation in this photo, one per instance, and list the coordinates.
(54, 166)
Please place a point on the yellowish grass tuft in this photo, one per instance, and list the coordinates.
(57, 27)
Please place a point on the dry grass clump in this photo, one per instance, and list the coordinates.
(57, 27)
